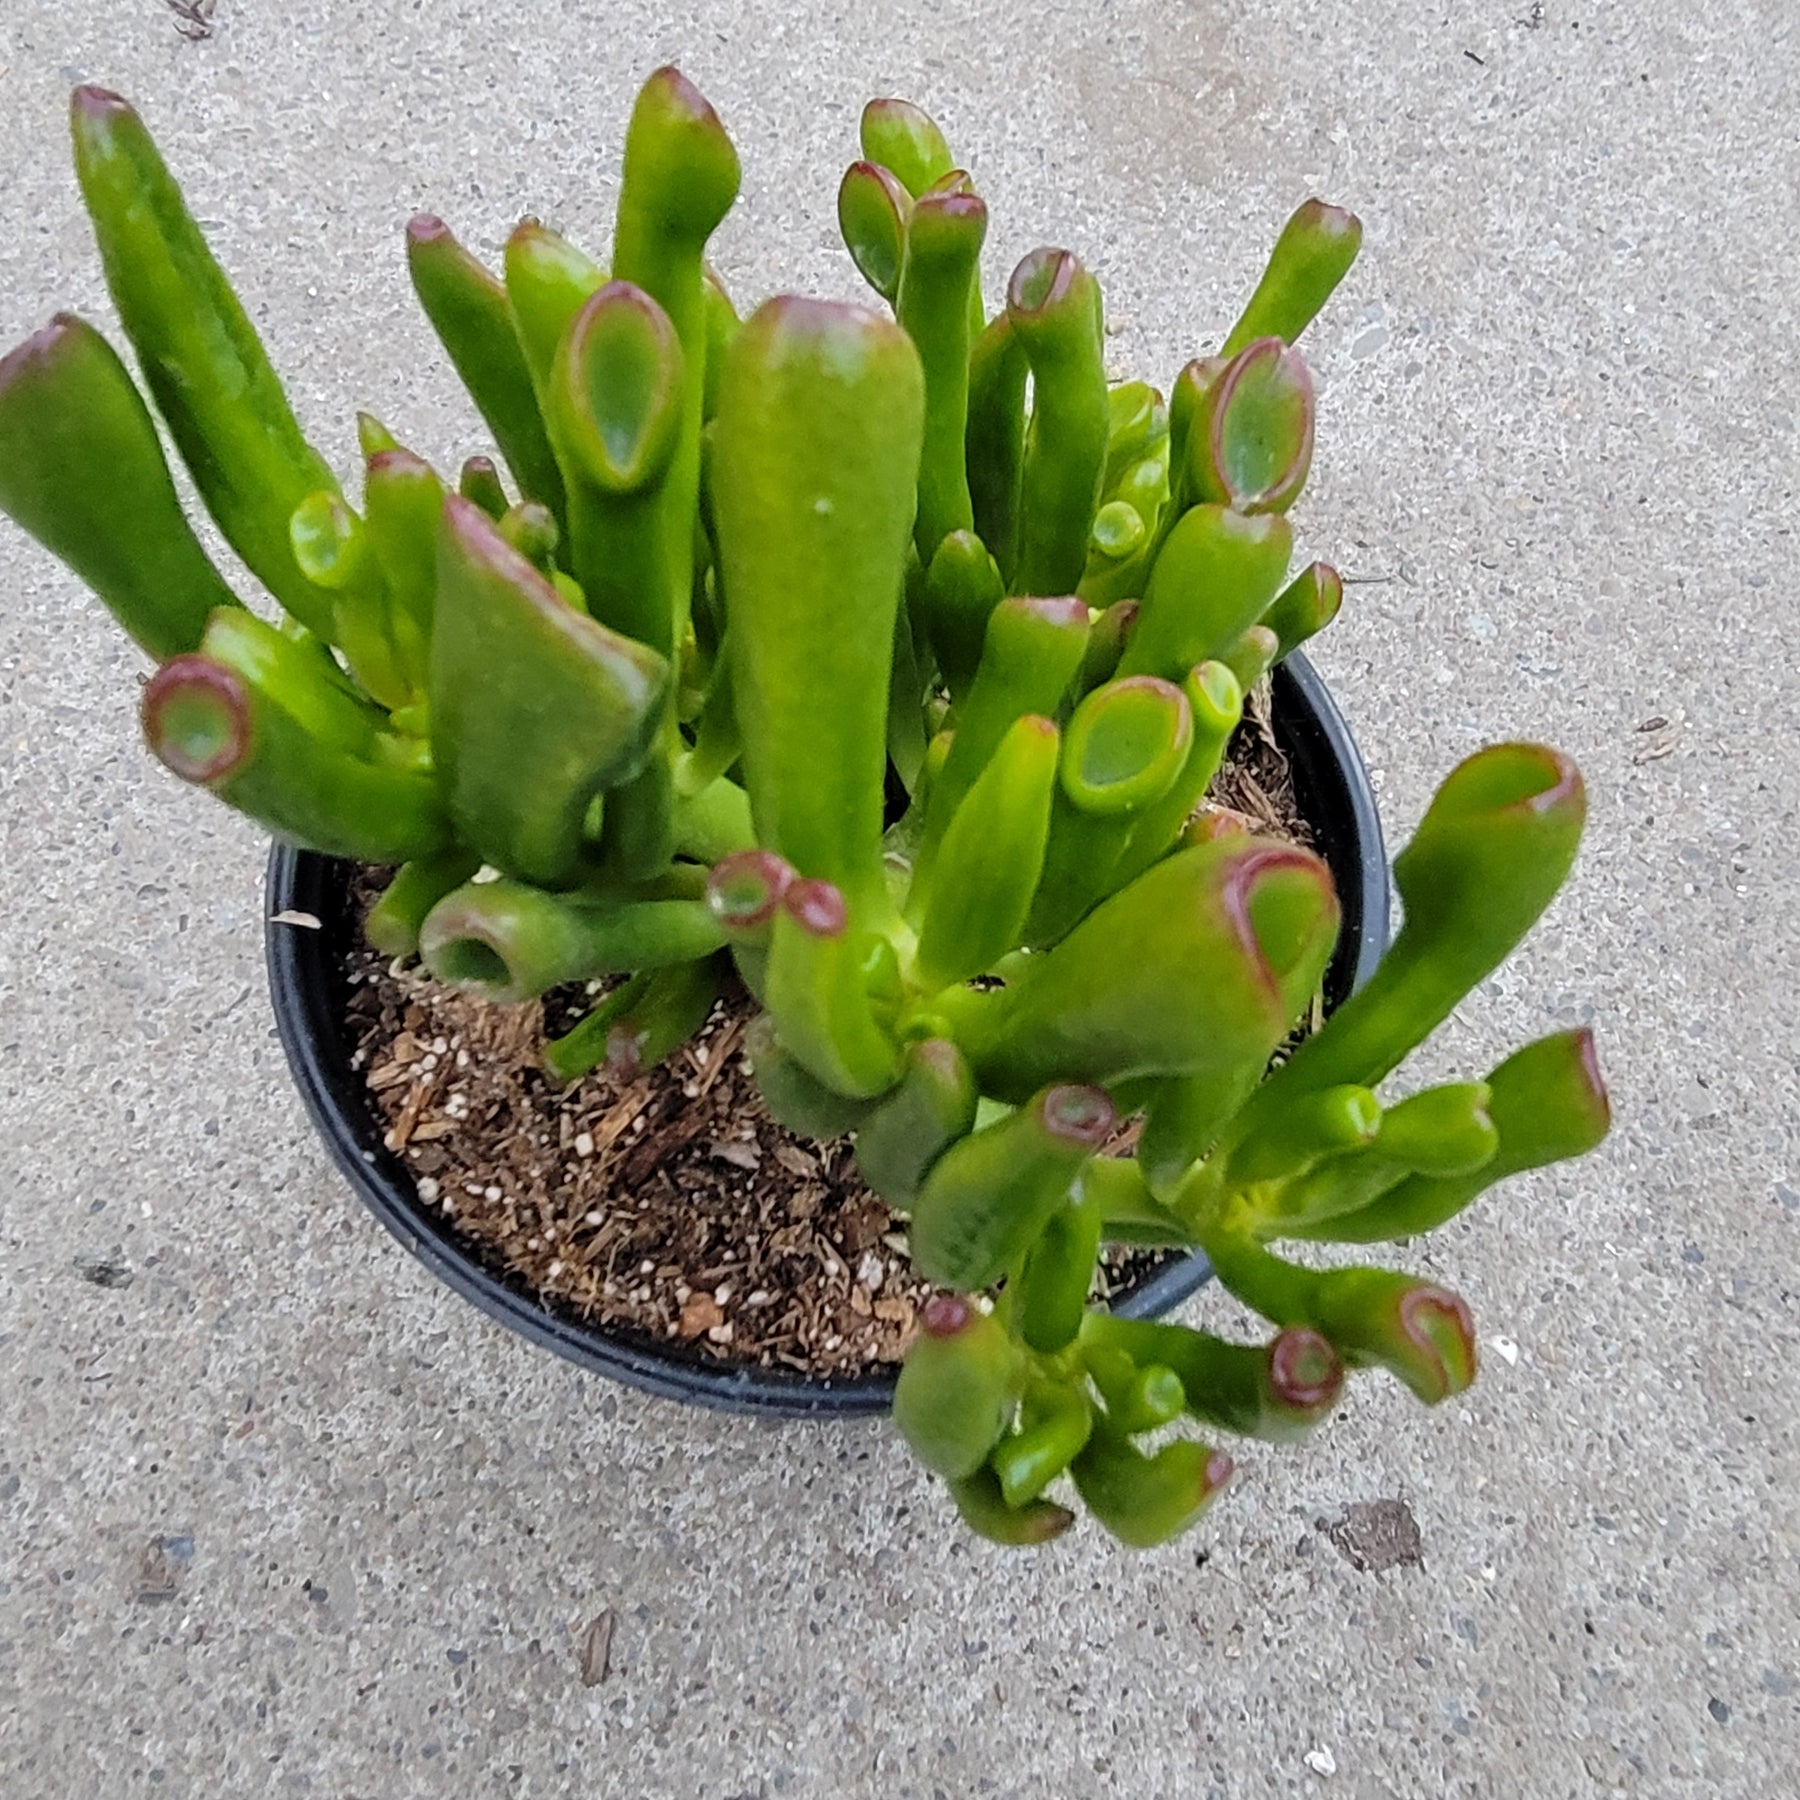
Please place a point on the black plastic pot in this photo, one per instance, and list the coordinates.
(307, 983)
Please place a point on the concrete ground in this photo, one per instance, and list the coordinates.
(281, 1516)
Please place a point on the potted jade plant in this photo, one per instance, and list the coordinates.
(833, 698)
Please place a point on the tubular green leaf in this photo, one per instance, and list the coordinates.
(1547, 1103)
(1304, 607)
(957, 1387)
(981, 1501)
(1055, 1422)
(1030, 653)
(1278, 1391)
(230, 733)
(995, 442)
(987, 866)
(873, 208)
(1251, 443)
(505, 941)
(524, 744)
(1419, 1332)
(1054, 305)
(648, 1018)
(468, 310)
(943, 261)
(1489, 855)
(202, 360)
(817, 997)
(680, 178)
(794, 1096)
(1198, 967)
(547, 282)
(820, 422)
(393, 922)
(1216, 573)
(932, 1106)
(962, 587)
(1312, 255)
(403, 497)
(906, 139)
(82, 470)
(1058, 1270)
(988, 1196)
(1148, 1500)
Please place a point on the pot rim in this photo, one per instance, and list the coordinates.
(1335, 795)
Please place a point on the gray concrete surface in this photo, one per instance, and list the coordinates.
(1558, 446)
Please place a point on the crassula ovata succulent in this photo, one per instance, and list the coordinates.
(654, 675)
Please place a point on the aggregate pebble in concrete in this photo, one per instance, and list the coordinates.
(277, 1515)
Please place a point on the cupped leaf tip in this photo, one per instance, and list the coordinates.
(197, 718)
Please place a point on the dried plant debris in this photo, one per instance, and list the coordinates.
(670, 1204)
(193, 18)
(1374, 1536)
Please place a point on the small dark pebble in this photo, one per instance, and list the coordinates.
(104, 1268)
(1692, 1253)
(456, 1657)
(1718, 1709)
